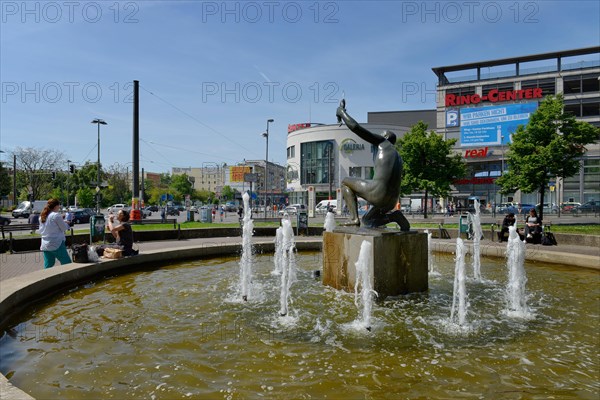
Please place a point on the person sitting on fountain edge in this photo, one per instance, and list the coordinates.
(509, 220)
(384, 189)
(533, 224)
(123, 233)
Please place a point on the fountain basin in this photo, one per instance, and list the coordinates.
(176, 332)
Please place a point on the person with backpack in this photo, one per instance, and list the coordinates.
(52, 228)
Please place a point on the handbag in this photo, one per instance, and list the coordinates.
(80, 253)
(112, 253)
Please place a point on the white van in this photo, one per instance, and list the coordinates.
(25, 208)
(321, 207)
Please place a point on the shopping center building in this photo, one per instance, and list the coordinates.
(480, 104)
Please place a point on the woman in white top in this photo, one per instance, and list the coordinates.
(52, 229)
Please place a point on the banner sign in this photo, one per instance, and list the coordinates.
(486, 126)
(236, 174)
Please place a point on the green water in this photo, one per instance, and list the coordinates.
(182, 332)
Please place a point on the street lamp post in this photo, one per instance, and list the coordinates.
(502, 161)
(98, 122)
(68, 172)
(329, 151)
(266, 136)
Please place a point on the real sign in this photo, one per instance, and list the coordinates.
(477, 153)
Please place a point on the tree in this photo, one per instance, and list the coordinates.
(85, 198)
(118, 185)
(5, 181)
(550, 146)
(85, 178)
(228, 193)
(429, 164)
(203, 195)
(181, 185)
(34, 168)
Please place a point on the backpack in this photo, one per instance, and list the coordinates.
(548, 239)
(80, 253)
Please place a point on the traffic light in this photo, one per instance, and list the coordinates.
(72, 168)
(53, 175)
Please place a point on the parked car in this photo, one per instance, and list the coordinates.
(548, 209)
(115, 208)
(152, 208)
(81, 216)
(323, 206)
(177, 206)
(172, 211)
(587, 207)
(290, 210)
(4, 221)
(25, 208)
(230, 206)
(503, 208)
(522, 209)
(569, 205)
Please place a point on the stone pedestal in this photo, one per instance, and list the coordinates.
(399, 260)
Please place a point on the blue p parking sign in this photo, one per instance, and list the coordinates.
(452, 119)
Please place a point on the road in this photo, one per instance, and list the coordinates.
(232, 217)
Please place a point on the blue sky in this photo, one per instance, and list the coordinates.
(212, 73)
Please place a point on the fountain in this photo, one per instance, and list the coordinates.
(430, 267)
(458, 313)
(288, 265)
(363, 277)
(516, 298)
(246, 261)
(168, 333)
(278, 257)
(329, 224)
(475, 222)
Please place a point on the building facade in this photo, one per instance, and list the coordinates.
(320, 156)
(244, 177)
(481, 104)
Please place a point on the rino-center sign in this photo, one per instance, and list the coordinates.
(493, 96)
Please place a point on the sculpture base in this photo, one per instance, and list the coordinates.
(399, 260)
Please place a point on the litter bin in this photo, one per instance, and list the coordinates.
(97, 228)
(463, 225)
(205, 214)
(190, 216)
(302, 222)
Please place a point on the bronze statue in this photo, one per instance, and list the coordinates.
(384, 189)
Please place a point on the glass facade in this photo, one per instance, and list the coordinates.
(317, 161)
(584, 186)
(548, 85)
(355, 172)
